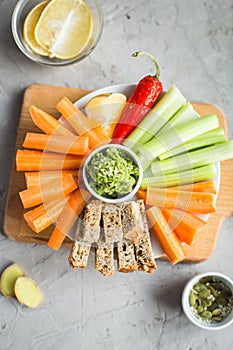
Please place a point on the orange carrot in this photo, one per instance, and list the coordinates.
(82, 124)
(38, 161)
(47, 123)
(185, 224)
(57, 143)
(43, 216)
(203, 186)
(165, 235)
(56, 239)
(98, 136)
(66, 219)
(197, 202)
(54, 189)
(38, 178)
(141, 194)
(79, 121)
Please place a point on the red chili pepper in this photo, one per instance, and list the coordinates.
(139, 103)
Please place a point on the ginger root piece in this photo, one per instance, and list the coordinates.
(8, 279)
(27, 292)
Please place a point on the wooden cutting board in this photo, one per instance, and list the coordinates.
(46, 98)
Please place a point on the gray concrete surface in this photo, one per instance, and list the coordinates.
(81, 309)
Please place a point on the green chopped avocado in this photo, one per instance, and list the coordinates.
(112, 173)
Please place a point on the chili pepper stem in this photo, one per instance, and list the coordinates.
(144, 53)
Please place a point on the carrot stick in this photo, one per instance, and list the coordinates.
(34, 160)
(66, 219)
(57, 143)
(54, 189)
(203, 186)
(82, 124)
(197, 202)
(56, 239)
(43, 216)
(47, 123)
(165, 235)
(186, 225)
(79, 121)
(38, 178)
(141, 194)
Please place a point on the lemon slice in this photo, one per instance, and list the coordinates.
(29, 27)
(64, 28)
(106, 108)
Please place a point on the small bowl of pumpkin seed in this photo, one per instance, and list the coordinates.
(207, 300)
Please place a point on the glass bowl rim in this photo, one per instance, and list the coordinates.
(39, 58)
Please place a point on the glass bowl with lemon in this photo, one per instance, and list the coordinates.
(57, 32)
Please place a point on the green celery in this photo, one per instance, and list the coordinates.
(181, 178)
(208, 138)
(176, 136)
(162, 111)
(185, 114)
(194, 159)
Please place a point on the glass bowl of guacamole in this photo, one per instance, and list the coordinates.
(112, 173)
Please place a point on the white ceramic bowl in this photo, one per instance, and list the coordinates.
(187, 309)
(127, 89)
(129, 153)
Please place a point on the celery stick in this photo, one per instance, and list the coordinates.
(200, 157)
(185, 114)
(181, 178)
(176, 136)
(162, 111)
(208, 138)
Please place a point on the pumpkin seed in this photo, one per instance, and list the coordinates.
(213, 306)
(217, 285)
(206, 279)
(200, 309)
(206, 302)
(221, 300)
(206, 314)
(217, 318)
(226, 292)
(204, 293)
(192, 299)
(216, 312)
(198, 287)
(214, 292)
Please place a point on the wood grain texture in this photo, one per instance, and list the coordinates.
(46, 98)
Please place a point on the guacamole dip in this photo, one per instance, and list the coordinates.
(112, 173)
